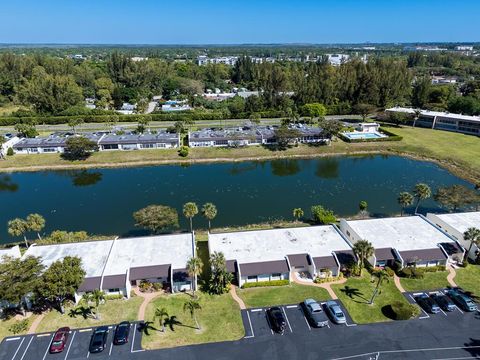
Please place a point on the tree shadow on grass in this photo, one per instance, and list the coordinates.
(172, 321)
(352, 292)
(388, 312)
(146, 327)
(84, 311)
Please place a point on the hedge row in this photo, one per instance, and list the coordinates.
(266, 283)
(391, 137)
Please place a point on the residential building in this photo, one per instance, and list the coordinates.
(441, 80)
(227, 60)
(368, 127)
(464, 48)
(174, 107)
(443, 120)
(114, 266)
(267, 255)
(127, 109)
(408, 240)
(9, 142)
(456, 224)
(54, 143)
(159, 140)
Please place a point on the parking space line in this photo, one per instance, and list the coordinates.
(286, 317)
(309, 328)
(111, 347)
(269, 325)
(13, 339)
(70, 345)
(85, 330)
(88, 354)
(444, 313)
(251, 327)
(458, 309)
(255, 310)
(28, 345)
(48, 347)
(292, 306)
(421, 317)
(43, 335)
(350, 324)
(18, 349)
(133, 340)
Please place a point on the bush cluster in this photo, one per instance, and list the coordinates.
(183, 151)
(113, 297)
(404, 311)
(419, 273)
(266, 283)
(390, 272)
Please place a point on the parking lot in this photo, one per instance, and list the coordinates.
(410, 296)
(35, 347)
(257, 325)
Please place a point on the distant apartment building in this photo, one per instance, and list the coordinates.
(464, 48)
(443, 120)
(227, 60)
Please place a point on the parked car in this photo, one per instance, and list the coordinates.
(426, 303)
(462, 300)
(276, 319)
(443, 301)
(98, 342)
(314, 313)
(121, 333)
(59, 340)
(335, 312)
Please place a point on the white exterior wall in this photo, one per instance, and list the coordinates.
(40, 150)
(263, 277)
(8, 144)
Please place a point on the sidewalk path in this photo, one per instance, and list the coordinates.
(147, 298)
(398, 284)
(35, 323)
(233, 292)
(325, 286)
(451, 276)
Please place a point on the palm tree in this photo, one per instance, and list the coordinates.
(97, 296)
(194, 266)
(161, 314)
(363, 249)
(18, 227)
(36, 222)
(209, 211)
(421, 192)
(190, 209)
(416, 115)
(404, 199)
(363, 207)
(381, 276)
(192, 306)
(472, 235)
(297, 214)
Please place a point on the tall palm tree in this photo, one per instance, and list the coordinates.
(194, 267)
(382, 277)
(209, 211)
(416, 115)
(298, 213)
(36, 222)
(363, 249)
(472, 235)
(190, 209)
(161, 314)
(421, 192)
(192, 305)
(18, 227)
(404, 199)
(97, 296)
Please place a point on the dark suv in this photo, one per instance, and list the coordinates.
(121, 333)
(98, 342)
(427, 303)
(462, 300)
(276, 319)
(443, 301)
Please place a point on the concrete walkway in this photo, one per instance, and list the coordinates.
(147, 298)
(325, 286)
(35, 323)
(398, 284)
(451, 276)
(233, 292)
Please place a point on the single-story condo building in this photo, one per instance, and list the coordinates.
(114, 266)
(55, 143)
(267, 255)
(408, 240)
(456, 224)
(443, 120)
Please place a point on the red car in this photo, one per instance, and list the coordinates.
(59, 340)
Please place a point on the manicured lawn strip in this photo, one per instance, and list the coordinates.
(112, 312)
(219, 319)
(356, 293)
(469, 279)
(431, 281)
(5, 325)
(281, 295)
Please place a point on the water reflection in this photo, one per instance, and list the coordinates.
(85, 178)
(6, 184)
(285, 167)
(328, 168)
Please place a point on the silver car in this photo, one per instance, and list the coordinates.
(335, 312)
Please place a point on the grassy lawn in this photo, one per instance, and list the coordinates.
(355, 294)
(281, 295)
(431, 281)
(5, 325)
(469, 279)
(219, 320)
(112, 312)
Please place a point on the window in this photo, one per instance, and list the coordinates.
(110, 146)
(49, 150)
(348, 233)
(33, 150)
(252, 278)
(276, 276)
(147, 146)
(115, 290)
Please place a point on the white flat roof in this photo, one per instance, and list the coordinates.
(94, 254)
(461, 221)
(151, 250)
(402, 233)
(275, 244)
(13, 252)
(435, 113)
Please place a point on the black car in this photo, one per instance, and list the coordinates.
(98, 342)
(443, 301)
(276, 319)
(427, 303)
(121, 333)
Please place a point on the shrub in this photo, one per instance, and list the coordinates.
(157, 286)
(266, 283)
(412, 273)
(434, 268)
(183, 152)
(19, 327)
(114, 297)
(404, 311)
(10, 151)
(321, 215)
(389, 271)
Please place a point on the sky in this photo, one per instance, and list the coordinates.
(238, 21)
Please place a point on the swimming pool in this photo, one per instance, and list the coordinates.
(361, 135)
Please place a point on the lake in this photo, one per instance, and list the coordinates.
(101, 201)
